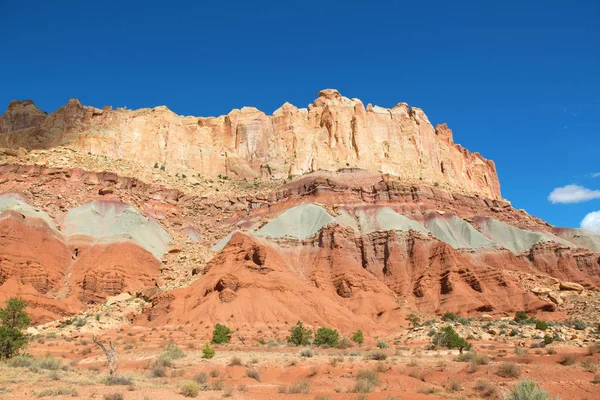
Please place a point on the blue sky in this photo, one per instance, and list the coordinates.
(517, 81)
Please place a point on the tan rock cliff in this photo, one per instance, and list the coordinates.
(332, 133)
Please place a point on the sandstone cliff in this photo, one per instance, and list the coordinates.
(332, 133)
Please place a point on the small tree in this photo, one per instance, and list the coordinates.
(111, 356)
(447, 337)
(221, 334)
(299, 335)
(521, 316)
(13, 318)
(358, 337)
(326, 336)
(414, 320)
(14, 315)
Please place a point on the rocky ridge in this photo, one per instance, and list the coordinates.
(332, 133)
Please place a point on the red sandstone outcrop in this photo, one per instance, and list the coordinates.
(332, 133)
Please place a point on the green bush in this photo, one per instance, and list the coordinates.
(299, 335)
(579, 325)
(541, 325)
(358, 337)
(13, 319)
(447, 337)
(548, 339)
(382, 345)
(449, 317)
(521, 316)
(527, 389)
(221, 334)
(208, 352)
(413, 319)
(326, 336)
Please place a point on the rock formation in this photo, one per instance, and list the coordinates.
(388, 217)
(332, 133)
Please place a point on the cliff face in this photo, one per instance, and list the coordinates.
(333, 133)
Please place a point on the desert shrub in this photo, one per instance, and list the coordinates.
(163, 361)
(589, 365)
(382, 345)
(509, 370)
(474, 358)
(158, 371)
(221, 334)
(594, 348)
(480, 359)
(449, 317)
(299, 335)
(215, 373)
(326, 336)
(235, 361)
(118, 380)
(242, 387)
(366, 380)
(62, 391)
(426, 389)
(447, 337)
(487, 390)
(254, 374)
(301, 387)
(54, 375)
(413, 319)
(13, 320)
(596, 379)
(344, 343)
(50, 363)
(335, 360)
(521, 317)
(173, 352)
(548, 339)
(568, 359)
(201, 378)
(306, 353)
(541, 325)
(579, 325)
(551, 351)
(113, 396)
(227, 391)
(189, 388)
(521, 352)
(20, 362)
(217, 385)
(208, 352)
(527, 389)
(454, 386)
(358, 337)
(363, 386)
(377, 355)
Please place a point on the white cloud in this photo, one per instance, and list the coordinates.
(573, 194)
(592, 222)
(596, 175)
